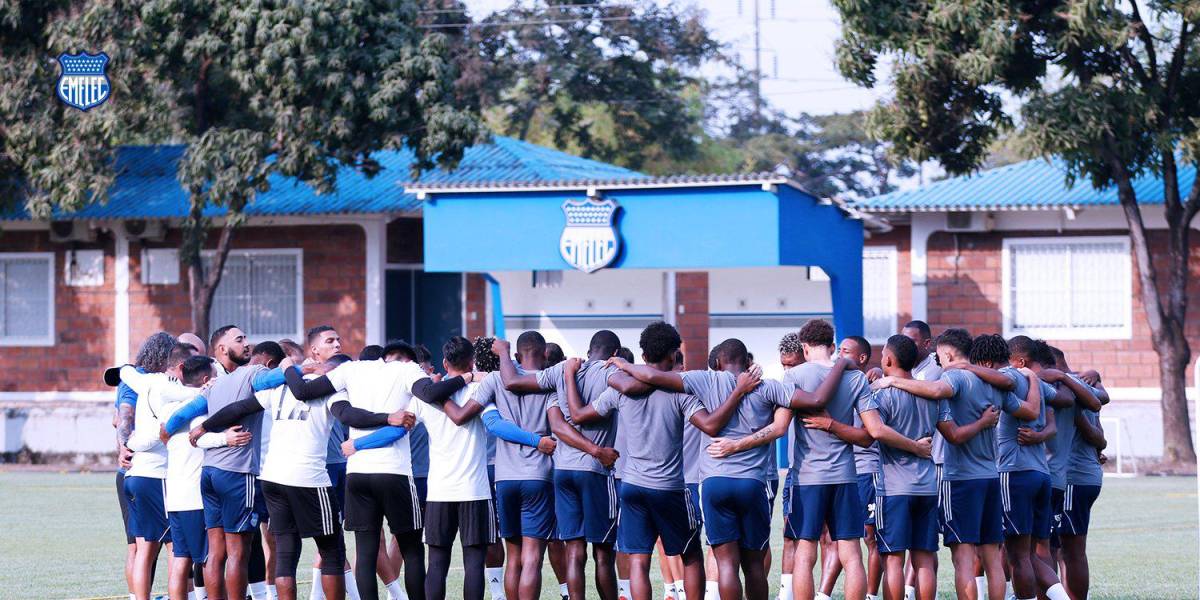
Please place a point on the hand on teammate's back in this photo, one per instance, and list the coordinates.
(874, 373)
(748, 380)
(348, 448)
(1090, 377)
(958, 364)
(402, 418)
(1051, 375)
(883, 382)
(572, 365)
(237, 436)
(990, 416)
(195, 433)
(606, 456)
(820, 421)
(721, 447)
(617, 362)
(163, 435)
(925, 447)
(124, 456)
(546, 445)
(1027, 436)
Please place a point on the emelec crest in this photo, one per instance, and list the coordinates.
(589, 241)
(83, 83)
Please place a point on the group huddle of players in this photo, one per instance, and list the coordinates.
(232, 454)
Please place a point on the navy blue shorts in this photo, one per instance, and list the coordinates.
(337, 480)
(525, 509)
(789, 532)
(835, 505)
(1025, 496)
(971, 512)
(1073, 508)
(648, 514)
(232, 501)
(422, 484)
(906, 523)
(774, 483)
(147, 508)
(866, 495)
(189, 539)
(737, 510)
(585, 506)
(693, 497)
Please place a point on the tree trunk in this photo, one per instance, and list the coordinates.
(1178, 452)
(202, 283)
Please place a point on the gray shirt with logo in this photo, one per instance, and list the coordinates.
(756, 410)
(654, 424)
(903, 473)
(1012, 455)
(819, 457)
(592, 380)
(975, 458)
(516, 462)
(235, 387)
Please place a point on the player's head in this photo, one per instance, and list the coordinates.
(625, 353)
(554, 354)
(197, 370)
(531, 348)
(857, 349)
(399, 350)
(152, 356)
(371, 352)
(458, 355)
(791, 353)
(713, 365)
(816, 337)
(424, 358)
(268, 354)
(485, 360)
(1022, 351)
(337, 359)
(732, 356)
(188, 337)
(228, 343)
(659, 342)
(680, 365)
(293, 350)
(1060, 359)
(989, 350)
(604, 345)
(953, 345)
(899, 355)
(180, 352)
(323, 341)
(921, 335)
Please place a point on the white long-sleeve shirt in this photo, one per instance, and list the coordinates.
(156, 393)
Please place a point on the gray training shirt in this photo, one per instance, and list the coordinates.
(902, 473)
(592, 380)
(654, 423)
(1083, 467)
(976, 458)
(866, 460)
(516, 462)
(235, 387)
(757, 410)
(821, 458)
(1012, 455)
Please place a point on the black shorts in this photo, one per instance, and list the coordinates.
(123, 500)
(372, 496)
(474, 519)
(309, 512)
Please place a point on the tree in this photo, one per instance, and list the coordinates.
(1109, 88)
(254, 90)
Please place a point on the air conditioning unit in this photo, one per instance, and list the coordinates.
(969, 221)
(71, 231)
(142, 229)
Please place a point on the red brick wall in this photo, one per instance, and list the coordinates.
(83, 324)
(691, 293)
(965, 291)
(476, 306)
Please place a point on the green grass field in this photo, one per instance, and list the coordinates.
(62, 539)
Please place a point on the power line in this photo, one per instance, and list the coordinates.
(523, 23)
(546, 8)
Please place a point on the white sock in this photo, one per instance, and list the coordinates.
(669, 592)
(201, 593)
(396, 591)
(711, 591)
(981, 586)
(821, 596)
(495, 581)
(258, 590)
(910, 592)
(622, 589)
(785, 587)
(562, 590)
(680, 591)
(351, 586)
(1057, 592)
(872, 597)
(271, 591)
(192, 596)
(132, 597)
(318, 592)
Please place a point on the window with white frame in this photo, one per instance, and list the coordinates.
(1068, 288)
(27, 299)
(261, 291)
(879, 293)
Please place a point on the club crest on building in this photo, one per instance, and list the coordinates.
(83, 83)
(589, 241)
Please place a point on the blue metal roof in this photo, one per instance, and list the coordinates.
(1030, 185)
(146, 185)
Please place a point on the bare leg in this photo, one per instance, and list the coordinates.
(639, 577)
(143, 568)
(874, 561)
(993, 566)
(268, 547)
(179, 575)
(576, 559)
(924, 566)
(693, 573)
(831, 565)
(606, 572)
(729, 561)
(753, 566)
(802, 568)
(512, 570)
(1076, 573)
(558, 561)
(893, 576)
(214, 567)
(237, 560)
(963, 556)
(530, 555)
(1020, 560)
(852, 565)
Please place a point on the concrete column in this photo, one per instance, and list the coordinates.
(120, 296)
(376, 257)
(923, 225)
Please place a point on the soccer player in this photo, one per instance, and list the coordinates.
(188, 337)
(790, 354)
(585, 502)
(906, 502)
(654, 499)
(971, 506)
(554, 354)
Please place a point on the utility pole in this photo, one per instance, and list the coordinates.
(757, 70)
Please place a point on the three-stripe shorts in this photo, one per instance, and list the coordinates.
(231, 500)
(372, 496)
(308, 512)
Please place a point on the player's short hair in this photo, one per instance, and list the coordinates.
(400, 347)
(790, 343)
(1044, 354)
(338, 359)
(155, 352)
(712, 357)
(817, 332)
(679, 365)
(920, 326)
(194, 369)
(316, 332)
(486, 360)
(531, 341)
(957, 338)
(423, 353)
(459, 353)
(180, 352)
(904, 349)
(291, 348)
(371, 352)
(217, 335)
(864, 347)
(1021, 344)
(604, 343)
(658, 341)
(625, 353)
(1058, 354)
(272, 350)
(555, 354)
(989, 347)
(733, 351)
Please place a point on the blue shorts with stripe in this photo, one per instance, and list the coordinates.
(1025, 497)
(648, 514)
(148, 508)
(866, 495)
(525, 509)
(971, 512)
(833, 505)
(232, 501)
(189, 539)
(737, 510)
(585, 506)
(1073, 508)
(694, 499)
(906, 523)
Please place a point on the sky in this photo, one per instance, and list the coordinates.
(797, 57)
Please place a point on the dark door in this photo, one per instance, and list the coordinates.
(423, 308)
